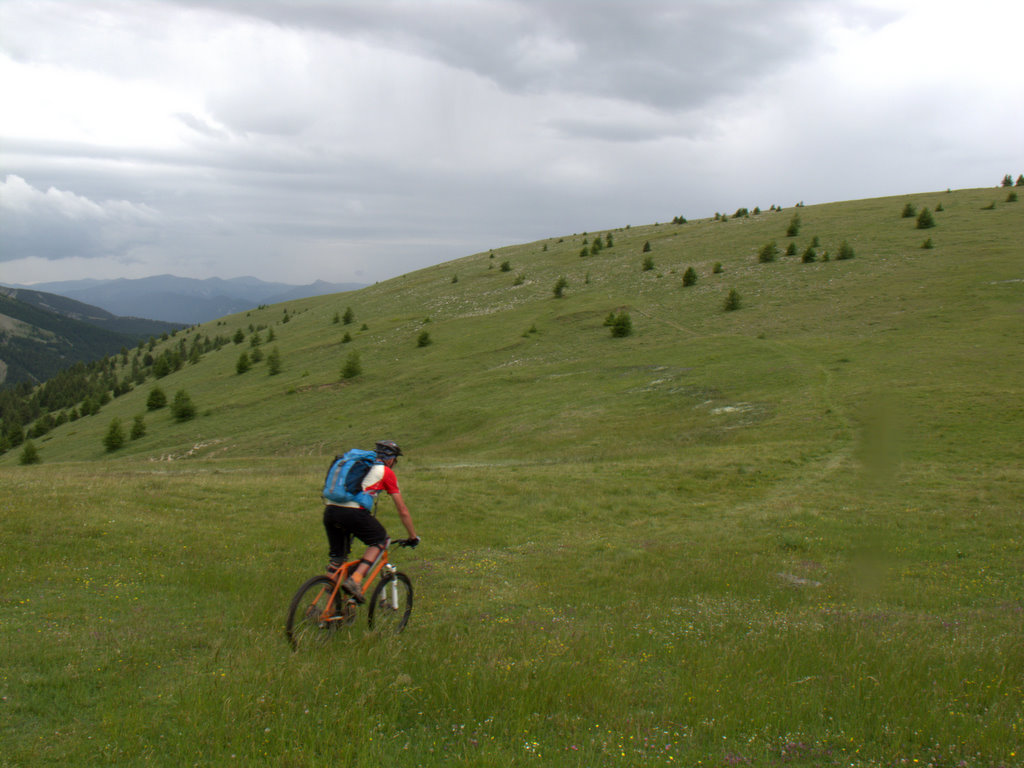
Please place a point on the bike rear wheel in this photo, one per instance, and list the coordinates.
(309, 622)
(391, 603)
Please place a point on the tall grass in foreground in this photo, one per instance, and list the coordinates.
(721, 621)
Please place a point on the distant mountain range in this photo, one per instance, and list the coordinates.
(185, 300)
(42, 333)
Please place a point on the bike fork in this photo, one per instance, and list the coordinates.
(391, 588)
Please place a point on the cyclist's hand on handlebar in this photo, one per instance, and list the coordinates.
(411, 542)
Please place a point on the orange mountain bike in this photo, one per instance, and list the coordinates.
(321, 607)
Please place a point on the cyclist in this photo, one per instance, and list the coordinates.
(345, 519)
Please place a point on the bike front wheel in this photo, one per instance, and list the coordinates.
(391, 603)
(312, 617)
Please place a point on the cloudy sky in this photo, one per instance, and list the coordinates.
(355, 140)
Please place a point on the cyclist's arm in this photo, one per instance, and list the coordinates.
(403, 513)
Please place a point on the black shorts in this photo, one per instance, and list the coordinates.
(356, 521)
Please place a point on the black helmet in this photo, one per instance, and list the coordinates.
(387, 449)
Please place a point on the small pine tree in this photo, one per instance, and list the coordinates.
(718, 268)
(845, 251)
(909, 211)
(794, 226)
(1020, 180)
(622, 325)
(239, 336)
(156, 400)
(337, 318)
(138, 428)
(647, 246)
(346, 338)
(560, 285)
(810, 256)
(349, 316)
(506, 266)
(768, 252)
(925, 220)
(928, 244)
(243, 364)
(274, 362)
(689, 277)
(353, 366)
(791, 249)
(1007, 180)
(732, 301)
(114, 438)
(648, 264)
(182, 408)
(424, 339)
(29, 454)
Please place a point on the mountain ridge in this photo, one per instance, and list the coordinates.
(184, 300)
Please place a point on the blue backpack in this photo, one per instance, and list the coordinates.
(344, 481)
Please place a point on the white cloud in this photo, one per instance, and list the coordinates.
(320, 139)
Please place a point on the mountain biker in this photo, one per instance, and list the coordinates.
(345, 519)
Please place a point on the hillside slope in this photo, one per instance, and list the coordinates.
(41, 334)
(813, 354)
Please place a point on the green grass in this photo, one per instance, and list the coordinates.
(785, 535)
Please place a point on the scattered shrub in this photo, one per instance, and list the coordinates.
(647, 246)
(717, 269)
(274, 362)
(114, 438)
(353, 367)
(156, 400)
(925, 220)
(648, 264)
(29, 454)
(732, 301)
(622, 325)
(810, 255)
(845, 251)
(768, 252)
(928, 244)
(424, 339)
(689, 277)
(182, 408)
(138, 428)
(560, 285)
(243, 364)
(1012, 197)
(909, 211)
(506, 266)
(791, 249)
(794, 226)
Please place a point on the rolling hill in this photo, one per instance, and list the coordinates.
(514, 371)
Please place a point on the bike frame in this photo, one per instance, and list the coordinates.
(380, 564)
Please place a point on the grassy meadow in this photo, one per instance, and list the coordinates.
(789, 534)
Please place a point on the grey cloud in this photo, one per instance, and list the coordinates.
(666, 54)
(58, 224)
